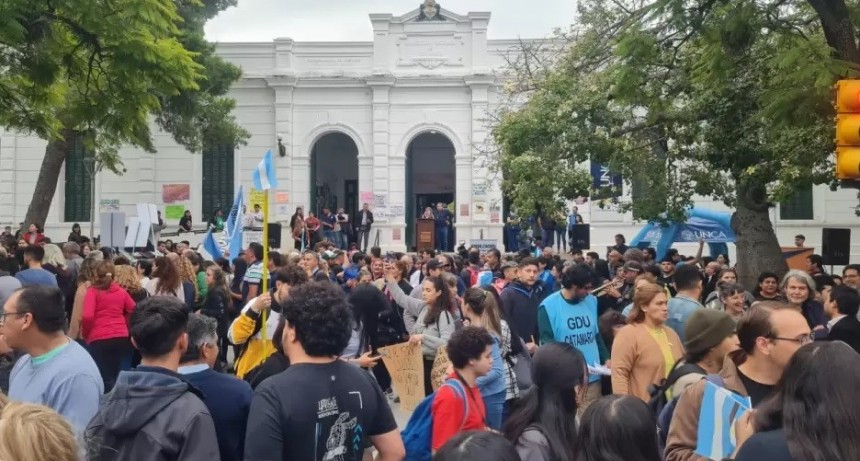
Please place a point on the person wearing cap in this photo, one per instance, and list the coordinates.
(434, 267)
(710, 336)
(688, 282)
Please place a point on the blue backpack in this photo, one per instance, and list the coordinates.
(418, 434)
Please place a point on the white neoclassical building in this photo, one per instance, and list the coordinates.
(399, 122)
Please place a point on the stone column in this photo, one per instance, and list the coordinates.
(478, 167)
(291, 178)
(381, 151)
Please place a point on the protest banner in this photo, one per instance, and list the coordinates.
(440, 368)
(720, 409)
(406, 366)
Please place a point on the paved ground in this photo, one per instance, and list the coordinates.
(399, 415)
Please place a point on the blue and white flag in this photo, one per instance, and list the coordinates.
(211, 246)
(720, 409)
(234, 229)
(265, 177)
(234, 219)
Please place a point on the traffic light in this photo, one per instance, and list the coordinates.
(848, 129)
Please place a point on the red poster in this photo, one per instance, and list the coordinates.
(464, 209)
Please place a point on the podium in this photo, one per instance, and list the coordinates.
(425, 234)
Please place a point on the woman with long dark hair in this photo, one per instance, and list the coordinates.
(215, 305)
(472, 445)
(813, 414)
(165, 279)
(366, 302)
(618, 427)
(543, 420)
(435, 320)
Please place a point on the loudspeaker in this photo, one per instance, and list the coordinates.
(274, 235)
(581, 237)
(836, 246)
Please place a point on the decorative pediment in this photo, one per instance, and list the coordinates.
(430, 12)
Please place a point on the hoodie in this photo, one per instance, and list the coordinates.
(520, 305)
(152, 415)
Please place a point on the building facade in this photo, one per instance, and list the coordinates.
(399, 122)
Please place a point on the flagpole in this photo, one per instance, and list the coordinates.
(265, 281)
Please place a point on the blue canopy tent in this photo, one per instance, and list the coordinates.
(712, 226)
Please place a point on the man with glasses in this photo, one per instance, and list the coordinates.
(55, 371)
(769, 335)
(851, 276)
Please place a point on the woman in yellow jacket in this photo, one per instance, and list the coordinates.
(246, 329)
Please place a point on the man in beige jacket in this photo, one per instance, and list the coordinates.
(769, 335)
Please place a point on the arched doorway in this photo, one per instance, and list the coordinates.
(334, 174)
(431, 179)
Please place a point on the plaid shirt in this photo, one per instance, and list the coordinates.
(512, 390)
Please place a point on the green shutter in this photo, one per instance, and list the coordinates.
(79, 183)
(798, 207)
(217, 179)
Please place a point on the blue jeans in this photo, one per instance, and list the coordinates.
(495, 407)
(546, 237)
(329, 235)
(340, 240)
(442, 238)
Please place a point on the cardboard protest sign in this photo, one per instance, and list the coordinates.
(406, 366)
(440, 368)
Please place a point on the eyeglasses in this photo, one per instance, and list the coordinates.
(802, 340)
(3, 315)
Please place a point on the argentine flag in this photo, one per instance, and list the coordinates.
(211, 246)
(233, 229)
(264, 176)
(720, 409)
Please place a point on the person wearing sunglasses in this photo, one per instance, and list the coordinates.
(769, 335)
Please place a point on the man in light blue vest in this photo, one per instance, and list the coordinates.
(570, 316)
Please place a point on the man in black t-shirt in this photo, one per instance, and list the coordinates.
(321, 408)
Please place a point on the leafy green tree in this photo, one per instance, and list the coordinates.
(728, 100)
(101, 70)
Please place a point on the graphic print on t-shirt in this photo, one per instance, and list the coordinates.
(344, 438)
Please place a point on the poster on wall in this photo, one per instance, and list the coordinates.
(175, 193)
(365, 197)
(481, 212)
(174, 212)
(282, 197)
(108, 205)
(479, 189)
(396, 211)
(495, 214)
(464, 209)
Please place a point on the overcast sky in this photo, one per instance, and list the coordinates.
(347, 20)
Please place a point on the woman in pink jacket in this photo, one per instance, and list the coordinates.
(104, 324)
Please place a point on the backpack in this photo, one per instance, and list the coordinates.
(658, 399)
(666, 414)
(418, 434)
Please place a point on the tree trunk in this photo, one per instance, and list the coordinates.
(49, 176)
(757, 245)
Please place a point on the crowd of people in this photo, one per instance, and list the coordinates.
(580, 358)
